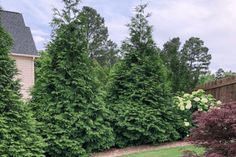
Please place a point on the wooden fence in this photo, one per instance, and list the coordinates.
(223, 89)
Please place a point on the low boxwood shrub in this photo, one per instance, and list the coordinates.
(216, 131)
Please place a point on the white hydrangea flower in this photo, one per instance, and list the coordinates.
(218, 102)
(200, 90)
(204, 100)
(179, 98)
(189, 105)
(182, 108)
(186, 123)
(200, 109)
(197, 99)
(186, 95)
(212, 104)
(181, 103)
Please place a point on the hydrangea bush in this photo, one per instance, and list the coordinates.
(196, 101)
(189, 103)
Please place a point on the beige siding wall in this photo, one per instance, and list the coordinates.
(25, 66)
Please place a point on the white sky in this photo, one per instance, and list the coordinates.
(214, 21)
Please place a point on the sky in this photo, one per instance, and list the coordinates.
(214, 21)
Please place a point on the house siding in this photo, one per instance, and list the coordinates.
(25, 67)
(23, 51)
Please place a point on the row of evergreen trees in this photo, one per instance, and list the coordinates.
(69, 114)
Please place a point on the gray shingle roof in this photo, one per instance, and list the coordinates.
(14, 24)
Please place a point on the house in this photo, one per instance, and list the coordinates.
(24, 50)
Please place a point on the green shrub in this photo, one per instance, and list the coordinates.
(189, 103)
(17, 126)
(196, 101)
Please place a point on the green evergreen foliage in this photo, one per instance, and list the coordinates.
(138, 93)
(196, 55)
(186, 65)
(101, 75)
(100, 48)
(102, 51)
(17, 126)
(65, 99)
(180, 74)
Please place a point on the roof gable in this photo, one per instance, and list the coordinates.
(14, 24)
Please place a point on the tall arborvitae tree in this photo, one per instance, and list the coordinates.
(138, 92)
(100, 48)
(64, 97)
(17, 127)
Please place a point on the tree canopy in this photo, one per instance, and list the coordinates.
(100, 48)
(186, 64)
(179, 73)
(138, 94)
(64, 99)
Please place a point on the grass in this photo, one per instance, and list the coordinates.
(168, 152)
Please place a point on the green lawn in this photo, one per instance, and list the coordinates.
(170, 152)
